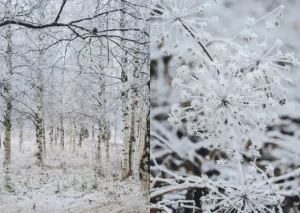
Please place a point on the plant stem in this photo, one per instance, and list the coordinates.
(202, 46)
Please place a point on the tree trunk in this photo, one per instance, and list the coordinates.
(98, 155)
(115, 135)
(8, 108)
(70, 134)
(51, 135)
(143, 131)
(74, 136)
(124, 97)
(107, 138)
(20, 134)
(8, 100)
(39, 123)
(56, 135)
(93, 131)
(39, 137)
(62, 132)
(99, 142)
(44, 137)
(144, 169)
(81, 133)
(132, 138)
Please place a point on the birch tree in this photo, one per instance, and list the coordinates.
(8, 109)
(125, 109)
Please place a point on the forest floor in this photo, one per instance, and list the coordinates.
(67, 183)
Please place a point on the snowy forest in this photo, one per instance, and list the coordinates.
(224, 106)
(74, 106)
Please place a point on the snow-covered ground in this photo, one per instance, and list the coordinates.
(67, 182)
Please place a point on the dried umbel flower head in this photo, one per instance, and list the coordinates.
(240, 192)
(263, 58)
(179, 19)
(268, 65)
(220, 99)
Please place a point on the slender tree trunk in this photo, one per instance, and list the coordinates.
(144, 169)
(39, 123)
(71, 133)
(125, 120)
(8, 108)
(20, 134)
(99, 142)
(134, 102)
(8, 100)
(51, 136)
(93, 131)
(56, 136)
(39, 137)
(81, 132)
(132, 138)
(124, 97)
(62, 132)
(98, 156)
(107, 138)
(74, 136)
(44, 136)
(142, 137)
(115, 135)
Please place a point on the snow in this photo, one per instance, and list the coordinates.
(67, 182)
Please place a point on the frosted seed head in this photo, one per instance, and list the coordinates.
(215, 19)
(269, 26)
(270, 170)
(250, 22)
(278, 43)
(177, 82)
